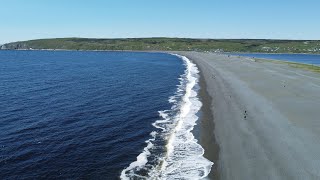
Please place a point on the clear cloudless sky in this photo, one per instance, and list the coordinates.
(271, 19)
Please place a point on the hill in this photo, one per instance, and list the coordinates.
(174, 44)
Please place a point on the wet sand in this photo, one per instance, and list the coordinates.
(207, 138)
(261, 120)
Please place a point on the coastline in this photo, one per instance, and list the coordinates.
(230, 53)
(222, 53)
(181, 144)
(259, 119)
(258, 128)
(159, 51)
(276, 60)
(82, 50)
(207, 128)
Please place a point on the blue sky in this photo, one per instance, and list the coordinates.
(275, 19)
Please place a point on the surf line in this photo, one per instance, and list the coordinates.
(184, 156)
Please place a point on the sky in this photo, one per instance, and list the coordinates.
(218, 19)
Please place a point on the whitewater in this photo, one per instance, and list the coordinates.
(182, 156)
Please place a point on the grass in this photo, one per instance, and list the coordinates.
(308, 67)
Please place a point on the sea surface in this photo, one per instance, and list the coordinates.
(98, 115)
(313, 59)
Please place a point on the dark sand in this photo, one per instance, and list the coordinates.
(261, 120)
(207, 137)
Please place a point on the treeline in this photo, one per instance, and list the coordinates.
(172, 44)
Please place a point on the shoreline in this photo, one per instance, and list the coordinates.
(207, 127)
(168, 52)
(258, 128)
(276, 60)
(223, 53)
(230, 53)
(81, 50)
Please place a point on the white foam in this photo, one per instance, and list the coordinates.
(184, 159)
(184, 156)
(141, 158)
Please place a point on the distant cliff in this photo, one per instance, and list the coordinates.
(17, 45)
(3, 47)
(174, 44)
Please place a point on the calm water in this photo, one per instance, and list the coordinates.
(299, 58)
(80, 115)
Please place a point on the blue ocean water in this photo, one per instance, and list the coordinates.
(80, 115)
(313, 59)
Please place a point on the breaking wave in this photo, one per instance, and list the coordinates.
(173, 152)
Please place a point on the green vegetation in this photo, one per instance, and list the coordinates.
(305, 67)
(308, 67)
(172, 44)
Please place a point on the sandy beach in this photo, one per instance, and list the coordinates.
(261, 120)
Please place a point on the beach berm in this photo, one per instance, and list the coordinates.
(265, 116)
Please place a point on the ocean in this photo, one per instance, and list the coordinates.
(99, 115)
(313, 59)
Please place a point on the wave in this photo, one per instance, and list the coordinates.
(173, 152)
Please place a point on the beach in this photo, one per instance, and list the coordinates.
(261, 120)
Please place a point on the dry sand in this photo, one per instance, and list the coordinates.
(263, 121)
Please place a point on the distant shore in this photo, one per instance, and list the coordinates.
(231, 53)
(75, 50)
(172, 44)
(264, 118)
(156, 51)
